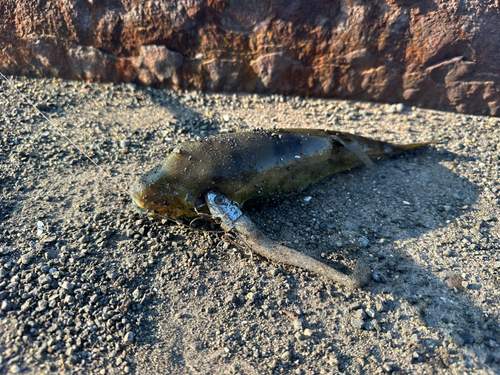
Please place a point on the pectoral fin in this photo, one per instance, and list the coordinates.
(357, 150)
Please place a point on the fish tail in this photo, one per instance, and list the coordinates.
(365, 148)
(407, 147)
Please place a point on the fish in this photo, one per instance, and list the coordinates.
(246, 165)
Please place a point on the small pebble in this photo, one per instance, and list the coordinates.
(370, 313)
(364, 241)
(379, 306)
(297, 324)
(286, 356)
(26, 258)
(354, 306)
(357, 323)
(67, 285)
(136, 293)
(387, 368)
(456, 281)
(128, 338)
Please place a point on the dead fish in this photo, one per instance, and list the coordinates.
(226, 170)
(252, 164)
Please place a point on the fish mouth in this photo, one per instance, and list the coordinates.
(137, 201)
(140, 209)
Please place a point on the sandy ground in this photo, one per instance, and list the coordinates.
(101, 289)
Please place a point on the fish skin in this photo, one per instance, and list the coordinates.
(253, 164)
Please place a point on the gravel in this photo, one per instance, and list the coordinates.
(97, 288)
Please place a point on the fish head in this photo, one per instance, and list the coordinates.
(160, 192)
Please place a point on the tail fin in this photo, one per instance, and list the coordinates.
(410, 146)
(365, 148)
